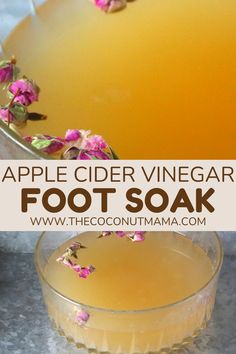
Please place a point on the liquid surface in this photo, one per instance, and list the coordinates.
(157, 80)
(163, 269)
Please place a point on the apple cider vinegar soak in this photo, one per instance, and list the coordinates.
(157, 79)
(129, 292)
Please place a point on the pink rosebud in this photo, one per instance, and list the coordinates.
(86, 271)
(6, 71)
(120, 233)
(82, 318)
(110, 5)
(106, 233)
(138, 236)
(55, 146)
(102, 4)
(75, 246)
(6, 115)
(94, 142)
(26, 91)
(93, 155)
(72, 135)
(46, 143)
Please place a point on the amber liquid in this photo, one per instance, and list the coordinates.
(157, 80)
(163, 269)
(151, 276)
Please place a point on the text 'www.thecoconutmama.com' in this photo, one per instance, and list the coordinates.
(138, 222)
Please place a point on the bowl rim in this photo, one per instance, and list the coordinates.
(138, 311)
(21, 143)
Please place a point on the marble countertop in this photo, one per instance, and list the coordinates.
(25, 328)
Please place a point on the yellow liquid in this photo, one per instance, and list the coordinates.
(157, 80)
(165, 268)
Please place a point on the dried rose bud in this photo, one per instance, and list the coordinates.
(25, 91)
(83, 272)
(94, 142)
(120, 233)
(6, 115)
(110, 5)
(93, 155)
(137, 236)
(82, 317)
(71, 153)
(16, 114)
(6, 71)
(73, 248)
(72, 135)
(46, 143)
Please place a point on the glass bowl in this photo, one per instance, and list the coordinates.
(153, 330)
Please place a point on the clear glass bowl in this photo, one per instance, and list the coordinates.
(155, 330)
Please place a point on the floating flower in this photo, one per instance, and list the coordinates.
(93, 155)
(68, 259)
(72, 135)
(6, 71)
(6, 115)
(46, 143)
(135, 236)
(120, 233)
(82, 317)
(83, 272)
(94, 143)
(110, 5)
(24, 91)
(71, 251)
(81, 146)
(16, 113)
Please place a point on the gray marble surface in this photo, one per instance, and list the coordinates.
(25, 328)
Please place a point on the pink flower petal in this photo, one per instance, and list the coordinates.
(82, 317)
(72, 135)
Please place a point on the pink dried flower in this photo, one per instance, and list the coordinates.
(137, 236)
(6, 71)
(72, 135)
(110, 5)
(93, 155)
(83, 272)
(55, 146)
(46, 143)
(120, 233)
(75, 246)
(25, 91)
(94, 142)
(82, 317)
(6, 115)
